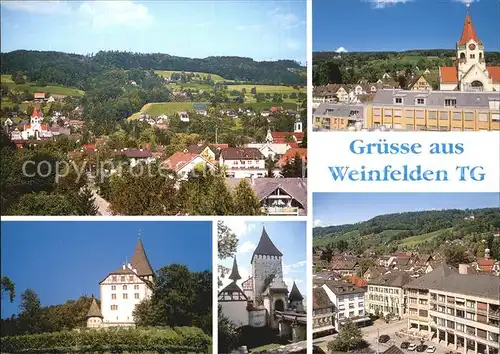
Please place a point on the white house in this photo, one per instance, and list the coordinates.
(184, 116)
(243, 162)
(121, 290)
(183, 163)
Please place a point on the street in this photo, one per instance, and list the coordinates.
(372, 333)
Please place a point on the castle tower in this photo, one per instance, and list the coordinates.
(140, 261)
(296, 299)
(94, 316)
(235, 275)
(233, 300)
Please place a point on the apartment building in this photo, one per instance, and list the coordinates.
(323, 313)
(434, 110)
(331, 116)
(385, 294)
(348, 302)
(459, 310)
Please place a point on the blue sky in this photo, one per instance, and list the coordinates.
(64, 260)
(397, 25)
(347, 208)
(262, 30)
(288, 236)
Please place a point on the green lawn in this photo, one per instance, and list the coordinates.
(327, 239)
(415, 240)
(260, 106)
(168, 73)
(32, 87)
(266, 88)
(168, 108)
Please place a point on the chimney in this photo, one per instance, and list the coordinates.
(123, 267)
(463, 269)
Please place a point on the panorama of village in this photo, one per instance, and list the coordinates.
(400, 282)
(417, 90)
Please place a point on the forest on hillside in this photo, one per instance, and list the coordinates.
(350, 68)
(76, 70)
(425, 231)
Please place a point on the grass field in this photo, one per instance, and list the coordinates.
(32, 87)
(327, 239)
(266, 88)
(415, 240)
(190, 85)
(168, 108)
(260, 106)
(168, 73)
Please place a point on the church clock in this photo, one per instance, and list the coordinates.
(472, 46)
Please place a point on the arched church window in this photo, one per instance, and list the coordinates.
(124, 287)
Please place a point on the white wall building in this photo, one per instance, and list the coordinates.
(121, 290)
(243, 162)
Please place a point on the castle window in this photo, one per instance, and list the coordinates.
(131, 277)
(462, 55)
(113, 287)
(125, 296)
(472, 56)
(122, 278)
(124, 287)
(113, 296)
(113, 278)
(136, 295)
(136, 287)
(114, 307)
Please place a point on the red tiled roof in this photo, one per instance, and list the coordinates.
(178, 160)
(448, 74)
(44, 126)
(275, 109)
(89, 147)
(293, 145)
(357, 281)
(468, 32)
(36, 112)
(290, 155)
(279, 137)
(494, 72)
(221, 146)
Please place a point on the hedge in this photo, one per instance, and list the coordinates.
(114, 340)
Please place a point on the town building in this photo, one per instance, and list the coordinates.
(36, 129)
(184, 163)
(456, 309)
(385, 295)
(270, 304)
(434, 110)
(323, 313)
(470, 72)
(348, 301)
(278, 196)
(330, 116)
(419, 83)
(241, 162)
(121, 290)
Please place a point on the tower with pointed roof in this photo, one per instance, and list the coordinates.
(470, 72)
(233, 300)
(122, 289)
(296, 299)
(94, 316)
(269, 288)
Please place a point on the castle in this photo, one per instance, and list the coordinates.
(264, 299)
(470, 72)
(121, 290)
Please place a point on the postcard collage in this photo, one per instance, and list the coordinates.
(233, 176)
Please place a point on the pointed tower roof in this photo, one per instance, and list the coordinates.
(295, 294)
(468, 32)
(36, 112)
(266, 247)
(140, 260)
(94, 310)
(235, 275)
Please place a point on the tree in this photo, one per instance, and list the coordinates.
(30, 302)
(402, 81)
(227, 242)
(270, 166)
(228, 334)
(8, 286)
(245, 200)
(349, 338)
(456, 255)
(294, 168)
(18, 78)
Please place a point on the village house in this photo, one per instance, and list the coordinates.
(385, 294)
(39, 96)
(200, 108)
(419, 83)
(136, 156)
(345, 268)
(184, 117)
(323, 313)
(242, 162)
(184, 163)
(278, 196)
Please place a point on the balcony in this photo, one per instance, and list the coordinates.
(280, 211)
(494, 315)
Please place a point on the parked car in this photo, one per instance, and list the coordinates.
(431, 349)
(412, 347)
(384, 338)
(421, 348)
(405, 345)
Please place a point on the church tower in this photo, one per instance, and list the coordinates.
(297, 126)
(470, 50)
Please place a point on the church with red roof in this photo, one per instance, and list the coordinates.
(470, 72)
(36, 129)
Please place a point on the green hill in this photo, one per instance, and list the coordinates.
(412, 230)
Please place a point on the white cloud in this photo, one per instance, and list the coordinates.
(39, 7)
(341, 50)
(317, 222)
(286, 20)
(239, 226)
(104, 14)
(382, 4)
(466, 2)
(246, 247)
(297, 267)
